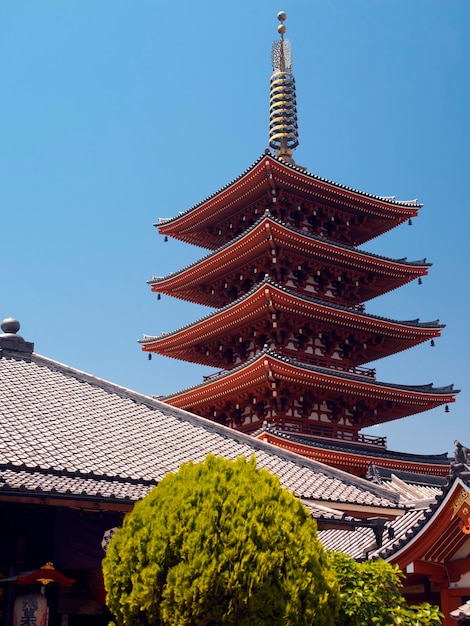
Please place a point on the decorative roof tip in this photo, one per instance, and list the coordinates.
(283, 128)
(13, 346)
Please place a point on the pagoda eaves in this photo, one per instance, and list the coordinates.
(356, 457)
(271, 183)
(288, 393)
(317, 265)
(271, 314)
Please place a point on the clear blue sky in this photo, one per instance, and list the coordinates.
(115, 113)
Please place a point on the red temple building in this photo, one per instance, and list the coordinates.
(290, 335)
(291, 340)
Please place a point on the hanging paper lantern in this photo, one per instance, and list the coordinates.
(30, 609)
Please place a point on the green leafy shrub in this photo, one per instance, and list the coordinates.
(370, 595)
(219, 543)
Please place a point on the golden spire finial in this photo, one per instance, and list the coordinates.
(283, 130)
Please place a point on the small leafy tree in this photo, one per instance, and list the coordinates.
(219, 543)
(370, 595)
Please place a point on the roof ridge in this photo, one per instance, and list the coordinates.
(54, 471)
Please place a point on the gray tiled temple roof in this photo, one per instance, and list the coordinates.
(64, 433)
(404, 528)
(361, 542)
(64, 484)
(411, 523)
(382, 475)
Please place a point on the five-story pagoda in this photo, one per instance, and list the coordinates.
(290, 334)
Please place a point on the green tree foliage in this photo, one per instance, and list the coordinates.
(219, 543)
(370, 595)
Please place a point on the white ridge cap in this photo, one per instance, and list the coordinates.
(408, 202)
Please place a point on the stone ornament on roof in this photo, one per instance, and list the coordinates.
(461, 454)
(13, 345)
(10, 326)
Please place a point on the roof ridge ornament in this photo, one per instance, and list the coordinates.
(13, 345)
(283, 128)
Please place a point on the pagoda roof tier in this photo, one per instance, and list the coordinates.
(271, 375)
(271, 310)
(358, 458)
(272, 247)
(271, 182)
